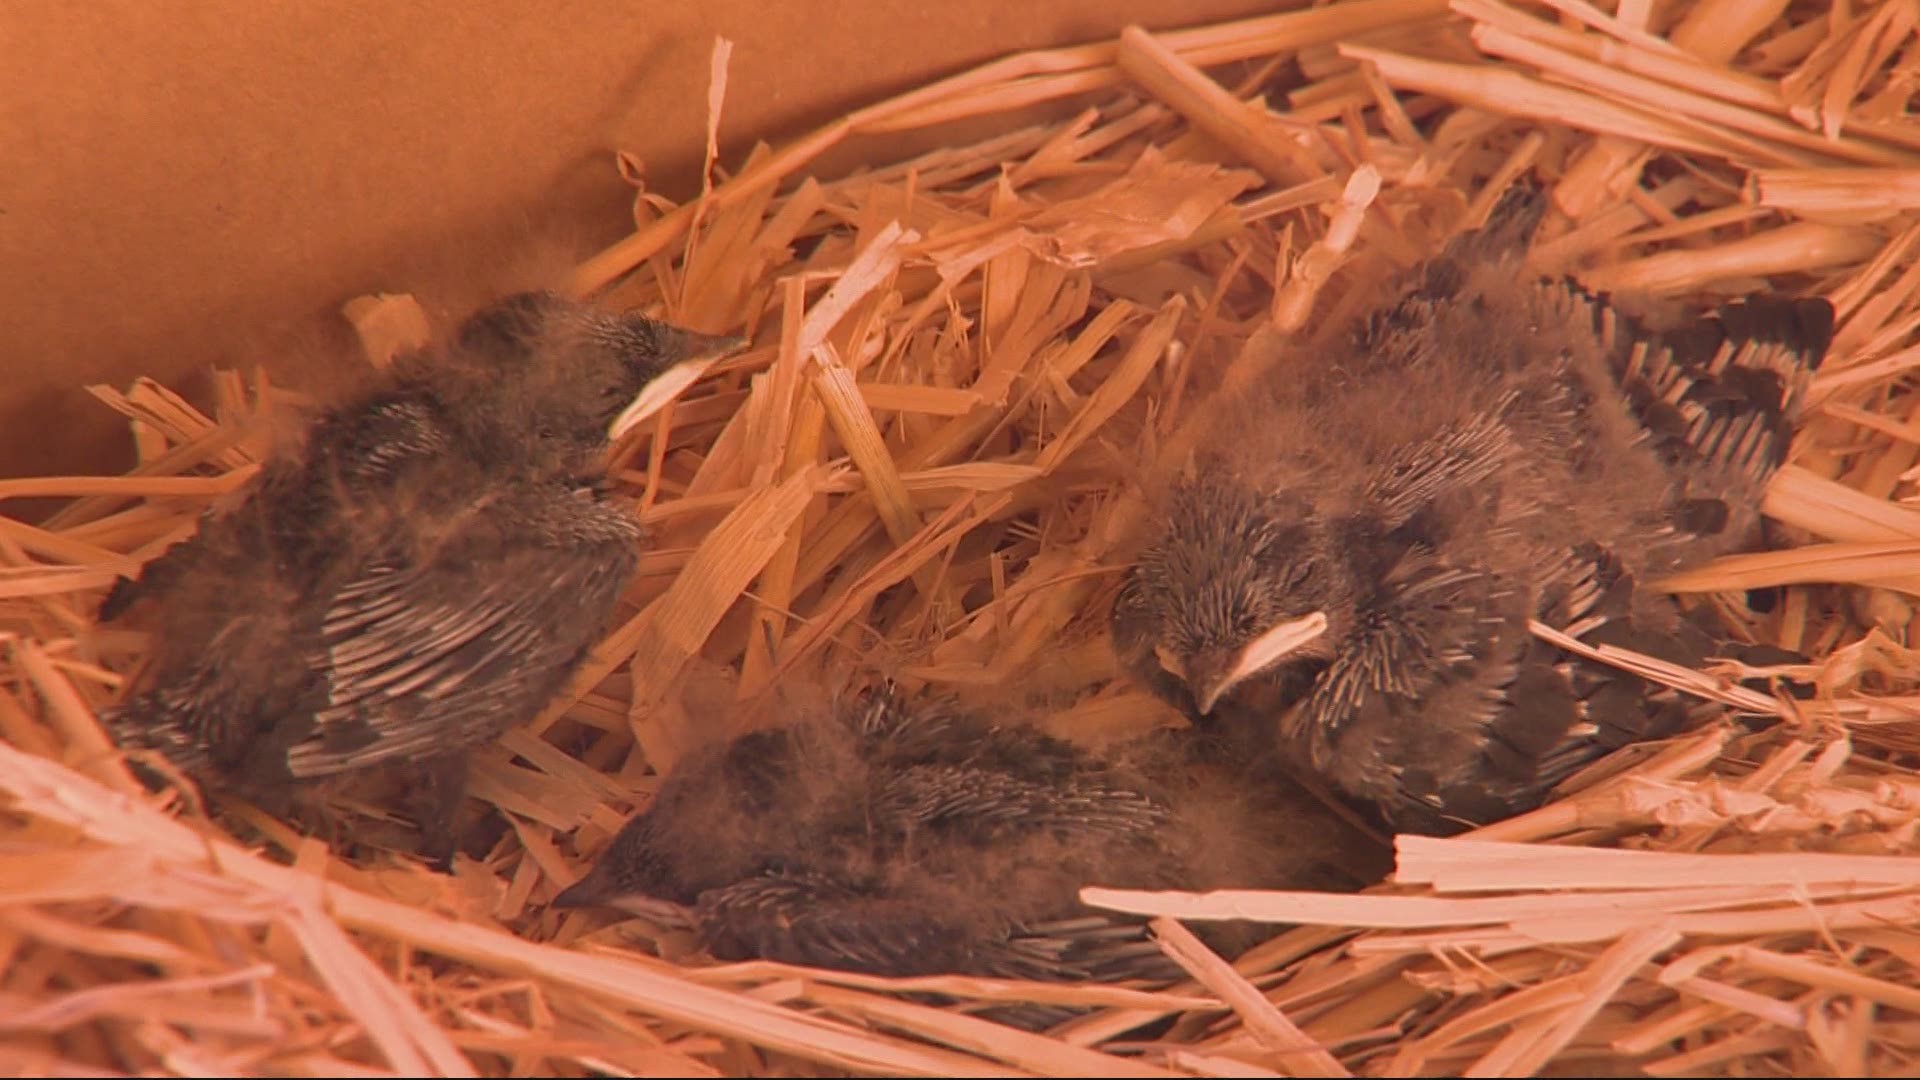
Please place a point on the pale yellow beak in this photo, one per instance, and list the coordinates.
(668, 384)
(1209, 686)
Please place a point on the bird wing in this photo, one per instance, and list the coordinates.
(1415, 681)
(1447, 710)
(1460, 456)
(961, 796)
(936, 765)
(1560, 712)
(1433, 624)
(1432, 690)
(1718, 401)
(804, 918)
(372, 440)
(429, 652)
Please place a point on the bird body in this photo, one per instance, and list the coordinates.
(425, 567)
(1348, 571)
(907, 839)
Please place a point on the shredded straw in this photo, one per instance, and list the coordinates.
(965, 366)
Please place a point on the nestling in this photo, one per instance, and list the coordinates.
(423, 570)
(900, 838)
(1347, 570)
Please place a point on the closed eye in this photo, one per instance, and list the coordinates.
(1170, 662)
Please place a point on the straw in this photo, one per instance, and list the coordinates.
(968, 367)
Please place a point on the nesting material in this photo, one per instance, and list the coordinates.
(964, 365)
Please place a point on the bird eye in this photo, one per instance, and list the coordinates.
(1170, 662)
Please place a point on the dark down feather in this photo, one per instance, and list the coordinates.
(424, 570)
(1485, 450)
(910, 839)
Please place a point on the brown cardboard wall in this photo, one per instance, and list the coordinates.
(202, 184)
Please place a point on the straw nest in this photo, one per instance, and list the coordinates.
(965, 362)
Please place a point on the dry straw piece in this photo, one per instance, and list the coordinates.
(966, 363)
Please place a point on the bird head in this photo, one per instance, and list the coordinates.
(1238, 585)
(582, 373)
(630, 875)
(714, 820)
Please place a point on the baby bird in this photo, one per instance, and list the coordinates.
(426, 568)
(897, 838)
(1347, 569)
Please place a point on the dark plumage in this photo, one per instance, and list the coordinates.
(1347, 569)
(425, 568)
(907, 839)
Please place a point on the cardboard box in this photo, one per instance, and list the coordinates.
(204, 185)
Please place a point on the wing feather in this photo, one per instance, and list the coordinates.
(417, 655)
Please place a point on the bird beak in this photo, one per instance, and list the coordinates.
(1210, 677)
(699, 352)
